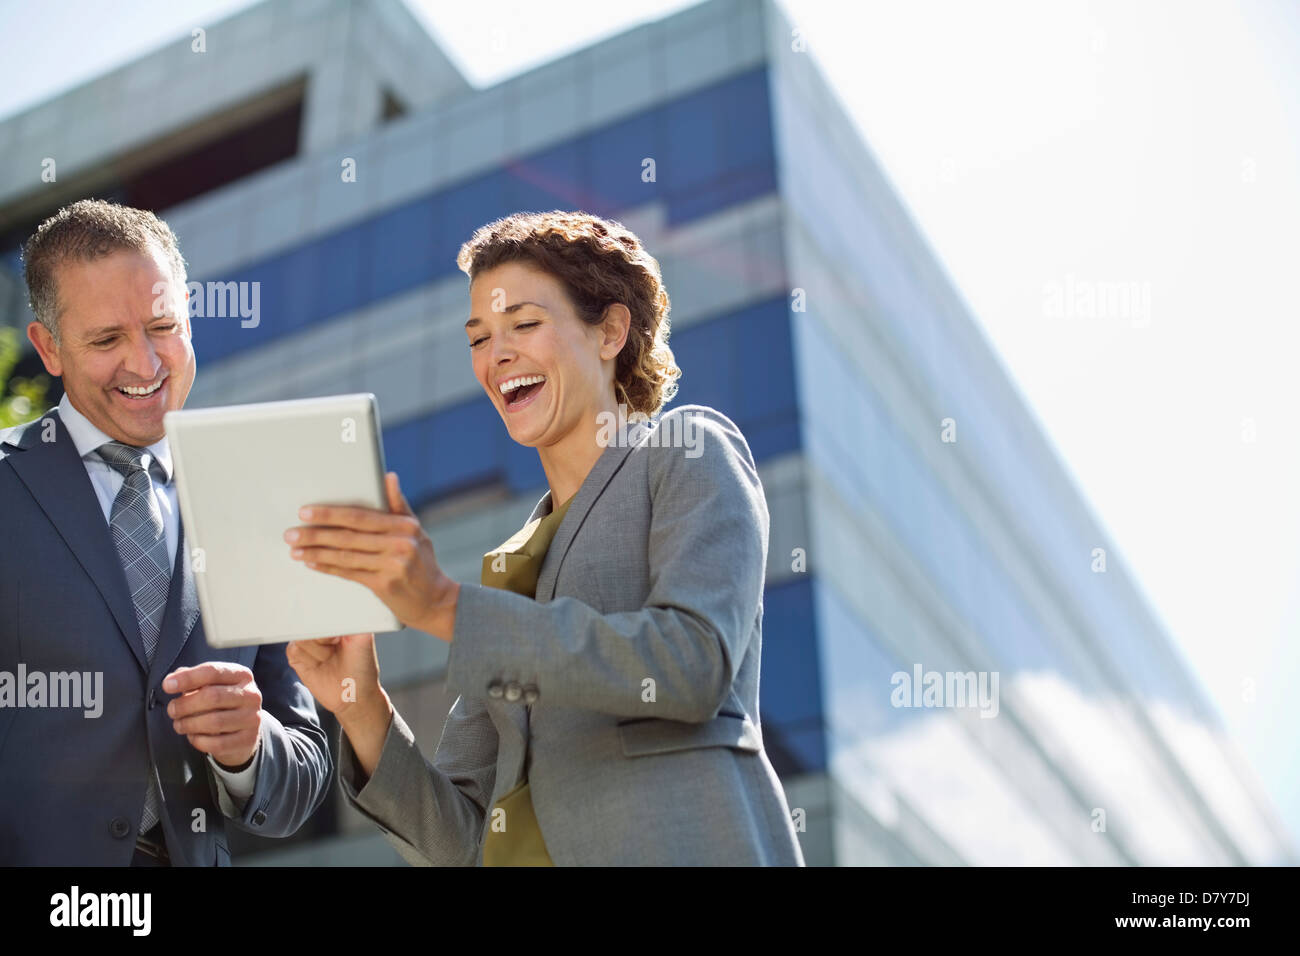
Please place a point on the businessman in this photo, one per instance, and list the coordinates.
(124, 738)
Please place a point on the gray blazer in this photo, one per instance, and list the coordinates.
(630, 684)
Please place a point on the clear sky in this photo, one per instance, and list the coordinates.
(1048, 151)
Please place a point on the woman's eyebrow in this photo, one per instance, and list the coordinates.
(506, 311)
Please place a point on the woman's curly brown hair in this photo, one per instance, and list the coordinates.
(599, 262)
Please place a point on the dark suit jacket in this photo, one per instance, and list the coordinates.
(72, 787)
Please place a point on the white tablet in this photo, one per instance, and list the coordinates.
(242, 472)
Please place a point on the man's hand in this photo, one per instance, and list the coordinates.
(219, 710)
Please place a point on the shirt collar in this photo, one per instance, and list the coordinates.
(87, 438)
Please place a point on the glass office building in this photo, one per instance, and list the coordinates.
(330, 153)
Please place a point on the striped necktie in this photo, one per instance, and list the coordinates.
(138, 533)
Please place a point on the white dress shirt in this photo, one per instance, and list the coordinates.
(107, 482)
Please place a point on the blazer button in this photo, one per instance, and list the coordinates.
(495, 689)
(119, 827)
(530, 693)
(153, 698)
(259, 818)
(513, 691)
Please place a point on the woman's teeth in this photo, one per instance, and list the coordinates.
(516, 383)
(521, 389)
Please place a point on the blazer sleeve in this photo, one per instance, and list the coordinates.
(293, 773)
(431, 813)
(707, 556)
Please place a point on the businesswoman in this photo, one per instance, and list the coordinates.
(607, 664)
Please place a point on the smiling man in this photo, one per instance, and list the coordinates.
(94, 577)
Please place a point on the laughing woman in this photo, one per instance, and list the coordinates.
(607, 664)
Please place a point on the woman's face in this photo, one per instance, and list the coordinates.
(522, 325)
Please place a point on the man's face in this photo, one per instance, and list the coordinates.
(123, 323)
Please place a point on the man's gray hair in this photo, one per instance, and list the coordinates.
(83, 231)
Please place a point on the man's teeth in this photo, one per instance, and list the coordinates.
(514, 383)
(139, 390)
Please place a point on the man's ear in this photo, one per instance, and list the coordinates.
(40, 337)
(615, 326)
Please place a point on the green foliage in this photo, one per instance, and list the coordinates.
(21, 399)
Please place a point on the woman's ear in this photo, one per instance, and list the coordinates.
(614, 326)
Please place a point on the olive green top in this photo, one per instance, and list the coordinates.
(513, 836)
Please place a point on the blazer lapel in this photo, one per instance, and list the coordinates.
(181, 614)
(606, 466)
(56, 477)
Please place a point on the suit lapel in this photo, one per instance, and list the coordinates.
(593, 486)
(181, 614)
(56, 477)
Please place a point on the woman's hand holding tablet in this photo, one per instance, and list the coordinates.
(389, 552)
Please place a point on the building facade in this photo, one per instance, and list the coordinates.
(329, 155)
